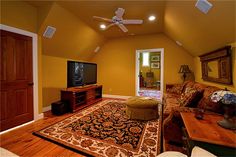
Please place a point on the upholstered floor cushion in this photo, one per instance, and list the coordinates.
(142, 108)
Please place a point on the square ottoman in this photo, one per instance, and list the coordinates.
(142, 108)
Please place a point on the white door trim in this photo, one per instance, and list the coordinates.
(35, 64)
(161, 50)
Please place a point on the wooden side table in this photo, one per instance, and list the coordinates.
(206, 133)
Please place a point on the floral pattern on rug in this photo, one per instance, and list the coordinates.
(105, 130)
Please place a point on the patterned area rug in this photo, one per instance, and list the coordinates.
(105, 130)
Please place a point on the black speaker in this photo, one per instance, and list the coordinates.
(60, 107)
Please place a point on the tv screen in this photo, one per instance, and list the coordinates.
(80, 73)
(90, 73)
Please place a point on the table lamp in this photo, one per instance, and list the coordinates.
(228, 100)
(184, 69)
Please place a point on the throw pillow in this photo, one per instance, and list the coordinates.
(190, 97)
(176, 88)
(206, 102)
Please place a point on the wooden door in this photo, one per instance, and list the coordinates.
(16, 80)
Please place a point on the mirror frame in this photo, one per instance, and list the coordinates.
(223, 57)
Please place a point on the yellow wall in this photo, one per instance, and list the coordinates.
(72, 39)
(198, 73)
(40, 94)
(198, 32)
(54, 78)
(43, 12)
(19, 14)
(116, 62)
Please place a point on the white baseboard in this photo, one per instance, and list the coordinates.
(19, 126)
(48, 108)
(115, 96)
(40, 116)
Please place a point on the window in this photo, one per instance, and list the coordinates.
(146, 59)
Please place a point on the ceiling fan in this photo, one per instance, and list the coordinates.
(119, 21)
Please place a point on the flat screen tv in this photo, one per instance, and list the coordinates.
(81, 73)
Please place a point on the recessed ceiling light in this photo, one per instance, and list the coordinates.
(151, 18)
(102, 26)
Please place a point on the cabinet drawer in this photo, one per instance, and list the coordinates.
(81, 97)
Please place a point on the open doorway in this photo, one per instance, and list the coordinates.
(149, 72)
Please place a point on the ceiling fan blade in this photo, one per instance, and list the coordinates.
(123, 28)
(127, 22)
(119, 13)
(102, 18)
(112, 24)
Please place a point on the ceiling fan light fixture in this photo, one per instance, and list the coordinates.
(118, 20)
(151, 18)
(102, 26)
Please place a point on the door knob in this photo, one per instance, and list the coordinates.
(30, 83)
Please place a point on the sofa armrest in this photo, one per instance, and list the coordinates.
(168, 86)
(172, 132)
(174, 88)
(172, 125)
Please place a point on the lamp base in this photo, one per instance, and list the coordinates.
(227, 124)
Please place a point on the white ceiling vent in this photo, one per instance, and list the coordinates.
(49, 32)
(203, 5)
(178, 43)
(97, 49)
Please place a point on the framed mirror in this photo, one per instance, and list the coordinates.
(217, 66)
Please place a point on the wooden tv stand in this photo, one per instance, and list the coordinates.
(81, 97)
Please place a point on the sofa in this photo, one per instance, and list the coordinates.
(186, 97)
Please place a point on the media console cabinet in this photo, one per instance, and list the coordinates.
(81, 97)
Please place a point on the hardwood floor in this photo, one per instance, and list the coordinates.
(23, 143)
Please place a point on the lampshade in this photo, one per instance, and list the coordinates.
(228, 100)
(184, 69)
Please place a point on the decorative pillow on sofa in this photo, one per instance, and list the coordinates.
(190, 97)
(206, 102)
(176, 88)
